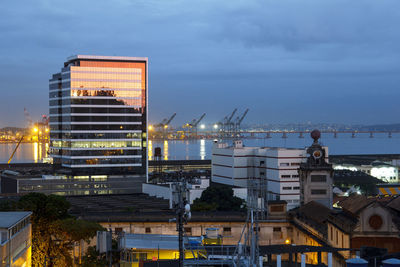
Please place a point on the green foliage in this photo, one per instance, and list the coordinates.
(54, 231)
(7, 205)
(203, 206)
(45, 207)
(218, 198)
(93, 258)
(76, 230)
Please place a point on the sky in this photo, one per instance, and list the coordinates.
(288, 61)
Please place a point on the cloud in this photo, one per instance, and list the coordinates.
(218, 51)
(302, 24)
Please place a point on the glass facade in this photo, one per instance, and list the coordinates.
(98, 115)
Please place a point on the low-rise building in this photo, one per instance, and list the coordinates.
(152, 216)
(237, 164)
(13, 182)
(15, 239)
(378, 221)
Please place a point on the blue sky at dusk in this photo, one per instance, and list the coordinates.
(289, 61)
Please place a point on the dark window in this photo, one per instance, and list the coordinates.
(148, 230)
(318, 178)
(188, 230)
(277, 229)
(287, 188)
(318, 191)
(285, 176)
(227, 230)
(118, 229)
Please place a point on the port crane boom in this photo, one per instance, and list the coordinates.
(165, 122)
(15, 150)
(231, 116)
(239, 120)
(170, 119)
(196, 122)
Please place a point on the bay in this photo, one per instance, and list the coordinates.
(344, 144)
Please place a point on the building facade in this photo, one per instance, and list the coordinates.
(316, 175)
(15, 239)
(235, 165)
(98, 115)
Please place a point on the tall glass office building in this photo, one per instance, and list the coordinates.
(98, 115)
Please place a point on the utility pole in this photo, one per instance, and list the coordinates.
(182, 209)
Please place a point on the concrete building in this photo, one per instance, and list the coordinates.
(277, 229)
(15, 239)
(237, 164)
(316, 175)
(23, 183)
(98, 115)
(378, 221)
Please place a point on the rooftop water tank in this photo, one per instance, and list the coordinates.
(356, 262)
(391, 263)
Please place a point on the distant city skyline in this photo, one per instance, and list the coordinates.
(289, 62)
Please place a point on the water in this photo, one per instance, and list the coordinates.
(26, 152)
(201, 149)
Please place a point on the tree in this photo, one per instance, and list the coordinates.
(54, 231)
(93, 258)
(218, 198)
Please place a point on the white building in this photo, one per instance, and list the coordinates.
(235, 165)
(381, 170)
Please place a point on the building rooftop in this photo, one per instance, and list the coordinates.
(359, 160)
(96, 57)
(162, 216)
(9, 218)
(355, 203)
(316, 215)
(131, 203)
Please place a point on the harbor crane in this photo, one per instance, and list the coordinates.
(226, 126)
(238, 121)
(163, 127)
(226, 121)
(192, 126)
(165, 122)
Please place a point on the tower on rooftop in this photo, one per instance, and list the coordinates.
(316, 175)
